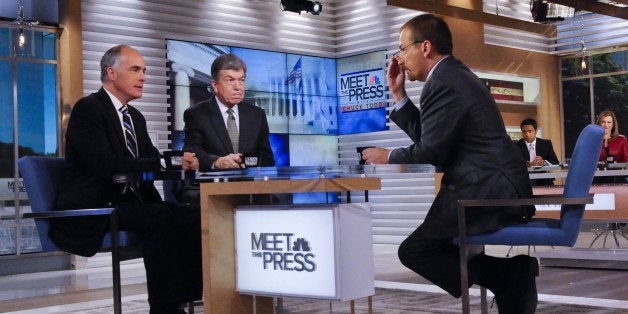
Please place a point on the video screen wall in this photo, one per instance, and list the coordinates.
(298, 94)
(308, 101)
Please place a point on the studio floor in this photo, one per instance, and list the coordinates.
(584, 290)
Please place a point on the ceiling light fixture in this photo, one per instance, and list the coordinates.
(298, 6)
(22, 34)
(583, 57)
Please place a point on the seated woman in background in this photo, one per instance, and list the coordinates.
(615, 145)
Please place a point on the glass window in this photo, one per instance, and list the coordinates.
(607, 62)
(5, 49)
(37, 108)
(568, 67)
(576, 111)
(611, 93)
(6, 120)
(37, 118)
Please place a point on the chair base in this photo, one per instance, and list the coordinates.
(612, 228)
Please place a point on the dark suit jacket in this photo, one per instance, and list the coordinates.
(459, 129)
(206, 134)
(96, 151)
(543, 148)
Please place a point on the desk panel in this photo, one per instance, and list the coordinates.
(218, 201)
(621, 202)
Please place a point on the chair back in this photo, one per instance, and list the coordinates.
(42, 176)
(580, 177)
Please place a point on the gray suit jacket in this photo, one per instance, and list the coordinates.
(459, 129)
(206, 134)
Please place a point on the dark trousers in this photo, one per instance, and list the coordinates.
(437, 260)
(171, 247)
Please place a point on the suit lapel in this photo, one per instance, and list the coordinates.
(112, 116)
(246, 122)
(218, 124)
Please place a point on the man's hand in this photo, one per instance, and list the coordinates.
(375, 155)
(190, 162)
(230, 161)
(538, 161)
(396, 80)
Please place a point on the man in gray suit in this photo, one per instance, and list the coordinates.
(458, 129)
(223, 130)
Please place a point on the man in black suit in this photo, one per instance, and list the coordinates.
(458, 129)
(102, 145)
(536, 150)
(207, 131)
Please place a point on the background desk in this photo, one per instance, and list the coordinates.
(218, 200)
(620, 190)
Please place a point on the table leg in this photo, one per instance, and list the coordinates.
(219, 273)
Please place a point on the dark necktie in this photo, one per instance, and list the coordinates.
(232, 129)
(129, 133)
(131, 145)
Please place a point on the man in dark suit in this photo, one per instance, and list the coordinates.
(103, 144)
(458, 129)
(207, 132)
(536, 150)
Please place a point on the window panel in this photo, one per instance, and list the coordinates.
(5, 49)
(611, 93)
(576, 111)
(37, 109)
(607, 63)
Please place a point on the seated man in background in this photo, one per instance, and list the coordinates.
(223, 130)
(107, 138)
(536, 150)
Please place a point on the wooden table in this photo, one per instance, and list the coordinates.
(218, 200)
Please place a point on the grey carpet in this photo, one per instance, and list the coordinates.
(385, 301)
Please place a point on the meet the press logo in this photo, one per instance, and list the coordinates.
(283, 252)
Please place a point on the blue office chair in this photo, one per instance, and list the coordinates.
(539, 231)
(42, 176)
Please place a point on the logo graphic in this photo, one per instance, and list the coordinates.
(278, 251)
(362, 90)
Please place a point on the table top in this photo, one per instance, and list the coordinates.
(309, 172)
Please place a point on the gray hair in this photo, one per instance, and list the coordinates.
(111, 58)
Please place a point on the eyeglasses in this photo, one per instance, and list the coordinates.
(397, 54)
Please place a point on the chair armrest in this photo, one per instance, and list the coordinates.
(69, 213)
(537, 200)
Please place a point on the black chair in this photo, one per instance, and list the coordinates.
(539, 231)
(42, 176)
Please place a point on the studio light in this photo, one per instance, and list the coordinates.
(298, 6)
(544, 12)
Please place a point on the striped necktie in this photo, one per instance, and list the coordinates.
(131, 146)
(232, 129)
(129, 133)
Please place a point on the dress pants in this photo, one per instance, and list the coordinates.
(171, 247)
(437, 260)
